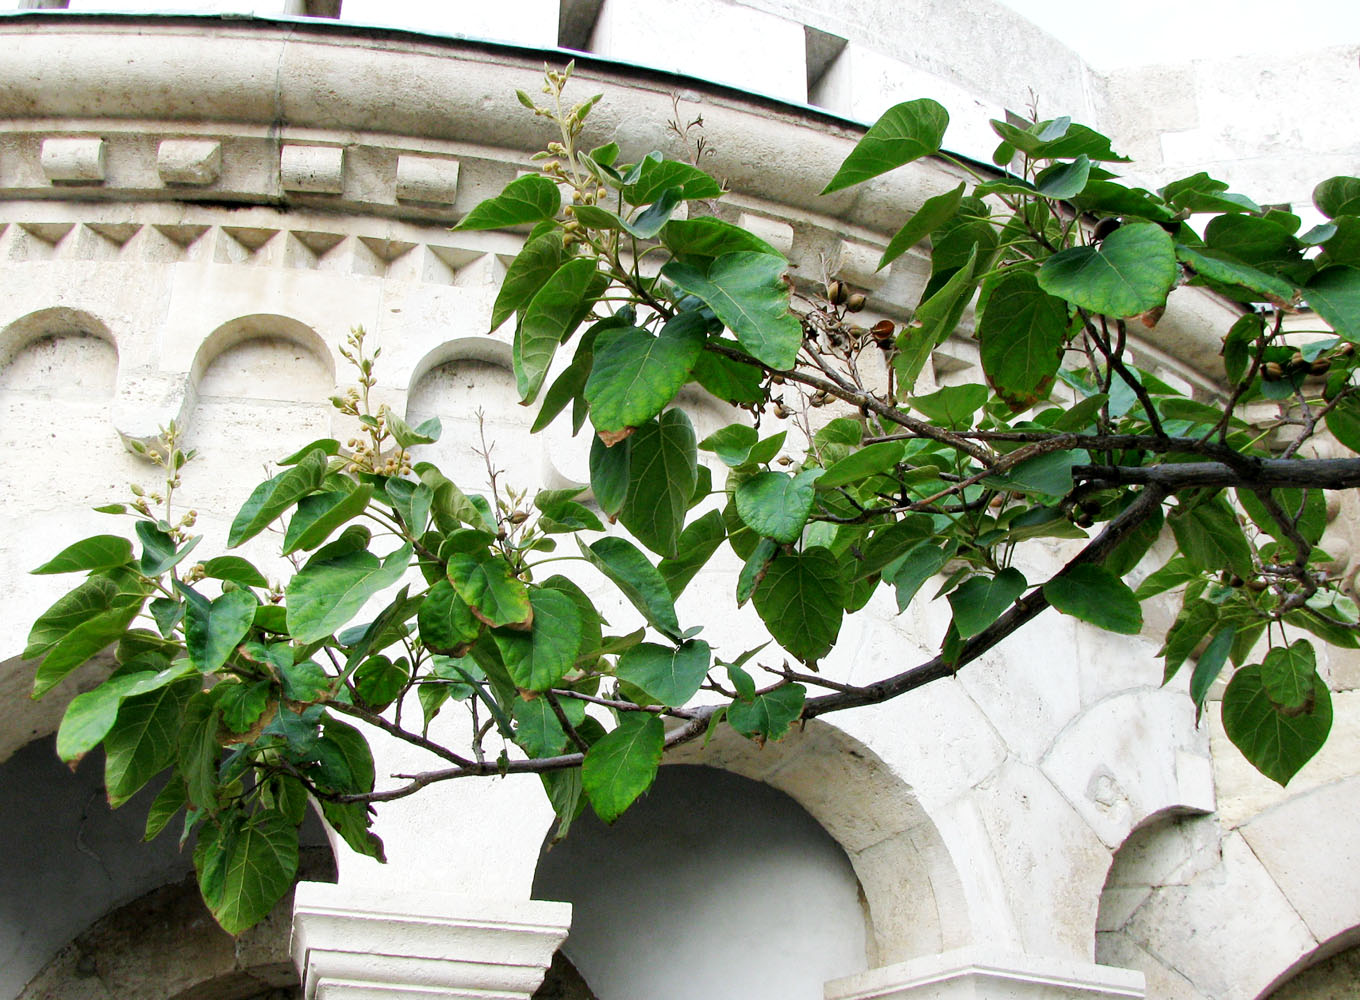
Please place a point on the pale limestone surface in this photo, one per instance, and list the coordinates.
(983, 812)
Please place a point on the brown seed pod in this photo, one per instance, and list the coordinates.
(1104, 228)
(882, 332)
(1320, 366)
(1272, 371)
(1345, 350)
(856, 302)
(781, 411)
(835, 293)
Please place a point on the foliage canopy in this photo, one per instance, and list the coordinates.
(239, 689)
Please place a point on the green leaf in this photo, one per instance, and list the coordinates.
(532, 198)
(169, 800)
(564, 791)
(622, 765)
(1129, 273)
(729, 380)
(1202, 193)
(351, 820)
(776, 505)
(411, 501)
(142, 741)
(1095, 595)
(672, 675)
(541, 657)
(638, 580)
(610, 473)
(239, 571)
(746, 291)
(212, 630)
(528, 272)
(800, 600)
(245, 867)
(739, 444)
(661, 480)
(867, 461)
(953, 406)
(1056, 139)
(1064, 180)
(1209, 264)
(768, 716)
(242, 704)
(1208, 667)
(328, 593)
(537, 728)
(1289, 674)
(1196, 619)
(707, 237)
(1021, 331)
(95, 553)
(272, 498)
(552, 314)
(319, 514)
(657, 176)
(406, 436)
(935, 320)
(917, 566)
(489, 586)
(1310, 507)
(1046, 475)
(754, 570)
(379, 680)
(1343, 420)
(635, 375)
(979, 601)
(1335, 293)
(1209, 536)
(197, 749)
(80, 624)
(904, 133)
(158, 549)
(1338, 196)
(933, 213)
(1276, 743)
(445, 621)
(91, 715)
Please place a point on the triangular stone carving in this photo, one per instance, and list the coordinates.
(115, 232)
(48, 232)
(251, 239)
(182, 235)
(318, 243)
(388, 250)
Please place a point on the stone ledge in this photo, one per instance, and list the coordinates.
(360, 943)
(981, 973)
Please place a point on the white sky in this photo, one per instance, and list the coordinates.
(1149, 31)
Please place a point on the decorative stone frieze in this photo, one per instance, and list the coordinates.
(366, 944)
(73, 161)
(191, 162)
(312, 169)
(981, 973)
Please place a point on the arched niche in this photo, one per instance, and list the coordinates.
(90, 910)
(710, 878)
(260, 389)
(469, 384)
(58, 379)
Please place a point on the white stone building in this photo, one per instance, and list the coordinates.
(194, 210)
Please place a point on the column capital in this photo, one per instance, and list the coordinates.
(352, 943)
(980, 973)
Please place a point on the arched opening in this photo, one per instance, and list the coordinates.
(711, 879)
(88, 909)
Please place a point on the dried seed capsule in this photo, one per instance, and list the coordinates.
(1320, 366)
(882, 332)
(835, 293)
(1272, 371)
(856, 302)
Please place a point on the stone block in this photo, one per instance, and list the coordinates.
(427, 178)
(193, 162)
(312, 169)
(74, 160)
